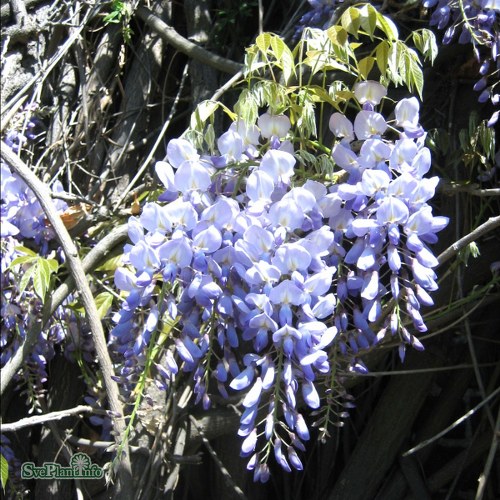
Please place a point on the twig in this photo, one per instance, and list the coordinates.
(423, 444)
(491, 224)
(184, 45)
(217, 460)
(483, 478)
(145, 164)
(42, 419)
(107, 446)
(227, 85)
(42, 192)
(415, 372)
(180, 440)
(10, 114)
(472, 189)
(261, 17)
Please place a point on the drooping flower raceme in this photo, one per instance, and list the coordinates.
(23, 219)
(262, 278)
(476, 22)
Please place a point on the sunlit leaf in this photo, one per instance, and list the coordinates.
(103, 302)
(53, 265)
(25, 278)
(351, 21)
(23, 259)
(425, 42)
(368, 19)
(388, 27)
(25, 250)
(365, 66)
(4, 471)
(382, 54)
(41, 278)
(111, 264)
(263, 41)
(277, 46)
(337, 35)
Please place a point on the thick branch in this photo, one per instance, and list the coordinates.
(42, 192)
(491, 224)
(184, 45)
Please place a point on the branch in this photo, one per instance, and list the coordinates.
(472, 189)
(423, 444)
(489, 225)
(229, 480)
(42, 419)
(483, 478)
(42, 192)
(184, 45)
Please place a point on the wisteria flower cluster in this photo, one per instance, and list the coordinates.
(23, 219)
(25, 127)
(477, 22)
(264, 278)
(319, 15)
(21, 213)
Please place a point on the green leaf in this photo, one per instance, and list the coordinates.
(365, 66)
(112, 17)
(425, 42)
(287, 64)
(382, 54)
(273, 45)
(103, 302)
(487, 138)
(337, 35)
(41, 278)
(247, 107)
(202, 113)
(111, 264)
(430, 48)
(23, 259)
(277, 47)
(263, 41)
(210, 137)
(323, 96)
(418, 40)
(25, 278)
(387, 26)
(53, 265)
(414, 77)
(4, 471)
(368, 19)
(26, 251)
(307, 117)
(351, 21)
(394, 65)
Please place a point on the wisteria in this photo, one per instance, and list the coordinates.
(318, 15)
(23, 220)
(265, 277)
(281, 246)
(475, 22)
